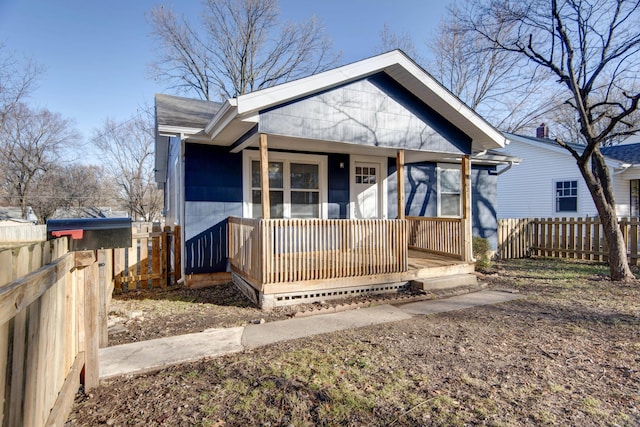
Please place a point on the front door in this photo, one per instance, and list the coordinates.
(366, 188)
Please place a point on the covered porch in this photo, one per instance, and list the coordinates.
(290, 261)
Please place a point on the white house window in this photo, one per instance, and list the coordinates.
(449, 190)
(297, 185)
(566, 196)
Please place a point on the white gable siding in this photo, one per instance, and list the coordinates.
(528, 189)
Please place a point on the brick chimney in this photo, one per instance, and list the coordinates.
(542, 131)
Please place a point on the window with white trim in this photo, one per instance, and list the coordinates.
(296, 185)
(567, 196)
(449, 190)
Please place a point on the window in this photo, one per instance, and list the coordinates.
(365, 175)
(295, 185)
(449, 190)
(566, 196)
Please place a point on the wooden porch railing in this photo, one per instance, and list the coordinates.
(290, 250)
(436, 235)
(245, 247)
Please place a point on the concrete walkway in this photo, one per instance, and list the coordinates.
(155, 354)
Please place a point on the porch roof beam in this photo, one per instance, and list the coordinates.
(400, 177)
(465, 234)
(264, 177)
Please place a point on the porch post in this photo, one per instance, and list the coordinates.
(400, 176)
(264, 177)
(466, 232)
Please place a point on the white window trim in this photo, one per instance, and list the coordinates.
(554, 205)
(439, 168)
(381, 179)
(275, 156)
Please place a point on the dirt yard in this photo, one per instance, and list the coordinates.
(568, 354)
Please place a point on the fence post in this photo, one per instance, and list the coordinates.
(177, 253)
(166, 259)
(633, 231)
(104, 291)
(85, 263)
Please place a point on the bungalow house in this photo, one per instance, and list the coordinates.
(560, 191)
(362, 178)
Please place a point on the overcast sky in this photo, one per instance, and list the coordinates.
(96, 52)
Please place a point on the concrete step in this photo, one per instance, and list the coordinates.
(446, 282)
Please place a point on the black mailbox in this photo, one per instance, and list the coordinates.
(92, 233)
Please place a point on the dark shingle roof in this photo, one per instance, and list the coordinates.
(184, 112)
(627, 153)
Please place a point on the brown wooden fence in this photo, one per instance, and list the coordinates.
(152, 261)
(578, 238)
(53, 316)
(49, 331)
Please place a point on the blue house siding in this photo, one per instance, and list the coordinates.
(338, 186)
(421, 195)
(420, 186)
(213, 192)
(484, 203)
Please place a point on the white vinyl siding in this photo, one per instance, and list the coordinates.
(528, 189)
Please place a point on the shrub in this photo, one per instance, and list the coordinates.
(482, 252)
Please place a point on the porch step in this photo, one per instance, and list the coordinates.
(446, 282)
(422, 273)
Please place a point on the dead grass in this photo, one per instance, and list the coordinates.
(566, 355)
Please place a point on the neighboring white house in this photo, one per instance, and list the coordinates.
(547, 183)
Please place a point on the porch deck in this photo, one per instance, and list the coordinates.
(279, 262)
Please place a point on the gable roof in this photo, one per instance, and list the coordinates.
(227, 122)
(237, 115)
(547, 143)
(627, 153)
(616, 156)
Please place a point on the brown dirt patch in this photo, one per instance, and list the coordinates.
(148, 314)
(566, 355)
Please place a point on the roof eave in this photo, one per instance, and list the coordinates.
(227, 112)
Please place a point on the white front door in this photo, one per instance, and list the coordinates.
(366, 185)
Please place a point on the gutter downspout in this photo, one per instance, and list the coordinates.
(501, 171)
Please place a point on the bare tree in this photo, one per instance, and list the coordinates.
(390, 40)
(127, 150)
(16, 82)
(31, 143)
(72, 187)
(592, 49)
(241, 46)
(503, 88)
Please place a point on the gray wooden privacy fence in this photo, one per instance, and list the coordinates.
(577, 238)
